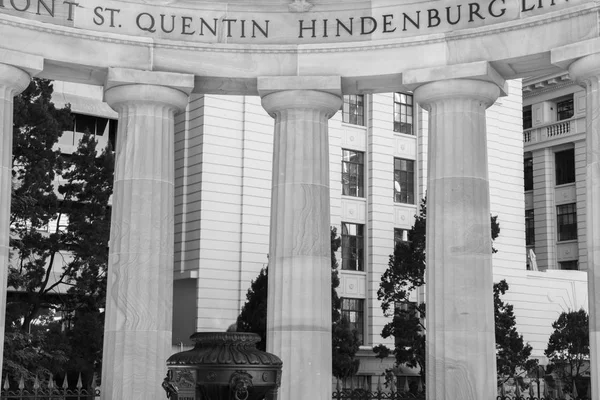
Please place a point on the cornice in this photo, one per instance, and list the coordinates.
(548, 89)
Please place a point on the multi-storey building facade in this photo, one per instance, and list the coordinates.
(378, 175)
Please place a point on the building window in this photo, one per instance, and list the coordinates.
(353, 312)
(353, 109)
(564, 109)
(403, 113)
(529, 228)
(572, 265)
(400, 235)
(404, 181)
(352, 247)
(527, 117)
(566, 218)
(565, 166)
(528, 173)
(89, 124)
(353, 173)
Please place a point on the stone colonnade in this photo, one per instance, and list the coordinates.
(461, 357)
(586, 71)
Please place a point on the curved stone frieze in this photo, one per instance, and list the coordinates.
(228, 45)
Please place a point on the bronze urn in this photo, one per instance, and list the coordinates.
(223, 366)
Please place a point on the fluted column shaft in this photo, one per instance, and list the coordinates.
(299, 298)
(587, 72)
(12, 82)
(137, 333)
(461, 360)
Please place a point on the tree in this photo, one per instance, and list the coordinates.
(405, 273)
(569, 347)
(512, 353)
(345, 341)
(60, 224)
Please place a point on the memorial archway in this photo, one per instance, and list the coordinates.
(300, 57)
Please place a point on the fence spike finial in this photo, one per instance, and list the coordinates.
(21, 383)
(338, 387)
(6, 383)
(94, 378)
(36, 384)
(79, 384)
(65, 384)
(51, 382)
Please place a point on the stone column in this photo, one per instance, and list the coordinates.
(461, 359)
(16, 71)
(587, 72)
(299, 299)
(139, 298)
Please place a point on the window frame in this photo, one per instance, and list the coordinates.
(358, 188)
(527, 117)
(565, 170)
(528, 173)
(569, 263)
(353, 247)
(399, 235)
(353, 109)
(565, 108)
(404, 113)
(529, 228)
(399, 196)
(346, 310)
(566, 231)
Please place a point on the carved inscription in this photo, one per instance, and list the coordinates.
(177, 23)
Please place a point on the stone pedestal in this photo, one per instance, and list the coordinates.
(137, 333)
(13, 81)
(461, 360)
(299, 300)
(587, 72)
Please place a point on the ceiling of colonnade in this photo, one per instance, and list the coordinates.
(227, 45)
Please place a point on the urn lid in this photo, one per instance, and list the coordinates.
(225, 349)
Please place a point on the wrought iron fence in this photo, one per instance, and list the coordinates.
(549, 397)
(48, 390)
(362, 394)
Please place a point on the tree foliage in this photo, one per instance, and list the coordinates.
(569, 346)
(512, 353)
(345, 340)
(60, 224)
(406, 273)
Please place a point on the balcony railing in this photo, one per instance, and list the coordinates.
(554, 130)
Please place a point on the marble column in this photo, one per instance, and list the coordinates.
(13, 81)
(461, 358)
(587, 72)
(139, 299)
(299, 298)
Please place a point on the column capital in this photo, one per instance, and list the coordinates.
(124, 85)
(455, 89)
(477, 71)
(324, 102)
(585, 68)
(29, 63)
(17, 69)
